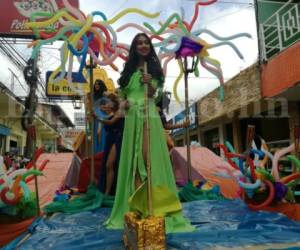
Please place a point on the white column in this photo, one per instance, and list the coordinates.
(7, 143)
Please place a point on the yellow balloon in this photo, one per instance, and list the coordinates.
(132, 10)
(207, 186)
(101, 74)
(178, 80)
(204, 53)
(110, 85)
(52, 20)
(59, 69)
(83, 30)
(260, 176)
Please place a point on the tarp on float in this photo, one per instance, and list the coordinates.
(53, 177)
(209, 166)
(219, 224)
(205, 165)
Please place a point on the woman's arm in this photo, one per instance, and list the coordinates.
(151, 90)
(113, 120)
(169, 126)
(147, 80)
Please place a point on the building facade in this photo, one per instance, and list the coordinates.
(179, 135)
(267, 94)
(279, 30)
(219, 121)
(47, 121)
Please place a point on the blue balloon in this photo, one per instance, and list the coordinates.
(260, 153)
(26, 190)
(99, 13)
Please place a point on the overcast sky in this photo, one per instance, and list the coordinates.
(225, 18)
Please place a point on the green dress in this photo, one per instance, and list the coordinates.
(165, 199)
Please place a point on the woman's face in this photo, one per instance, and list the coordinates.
(107, 107)
(110, 105)
(97, 86)
(143, 46)
(104, 108)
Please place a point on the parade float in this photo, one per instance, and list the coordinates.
(93, 43)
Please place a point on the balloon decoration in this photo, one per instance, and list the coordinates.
(178, 40)
(257, 181)
(101, 74)
(81, 35)
(13, 185)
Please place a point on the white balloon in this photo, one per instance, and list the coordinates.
(3, 174)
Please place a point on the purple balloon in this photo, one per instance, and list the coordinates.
(280, 190)
(188, 47)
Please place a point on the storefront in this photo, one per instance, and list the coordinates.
(4, 132)
(211, 138)
(179, 134)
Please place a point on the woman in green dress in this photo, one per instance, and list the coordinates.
(131, 194)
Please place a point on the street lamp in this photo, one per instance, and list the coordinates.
(189, 66)
(77, 103)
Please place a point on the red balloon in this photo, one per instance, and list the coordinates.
(268, 200)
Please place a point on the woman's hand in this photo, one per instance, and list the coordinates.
(124, 105)
(186, 124)
(146, 79)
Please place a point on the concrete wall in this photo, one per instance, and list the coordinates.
(240, 91)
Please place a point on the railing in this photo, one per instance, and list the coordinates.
(280, 30)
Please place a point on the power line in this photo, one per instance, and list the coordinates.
(230, 2)
(19, 61)
(197, 77)
(17, 78)
(119, 8)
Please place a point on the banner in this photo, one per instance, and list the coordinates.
(79, 119)
(80, 84)
(64, 90)
(16, 13)
(69, 137)
(180, 118)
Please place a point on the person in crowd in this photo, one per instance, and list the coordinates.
(167, 124)
(99, 132)
(113, 126)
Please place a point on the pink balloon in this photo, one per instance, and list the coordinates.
(276, 158)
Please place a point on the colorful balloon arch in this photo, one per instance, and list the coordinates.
(82, 35)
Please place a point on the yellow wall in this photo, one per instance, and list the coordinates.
(10, 116)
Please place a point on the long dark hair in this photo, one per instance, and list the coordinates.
(102, 88)
(164, 102)
(114, 99)
(154, 67)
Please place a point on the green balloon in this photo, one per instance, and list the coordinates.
(33, 18)
(166, 24)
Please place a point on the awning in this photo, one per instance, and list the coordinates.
(4, 130)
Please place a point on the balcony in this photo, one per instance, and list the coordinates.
(280, 30)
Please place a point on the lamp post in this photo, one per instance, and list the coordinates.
(297, 146)
(92, 152)
(77, 103)
(189, 66)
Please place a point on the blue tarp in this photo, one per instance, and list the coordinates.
(219, 223)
